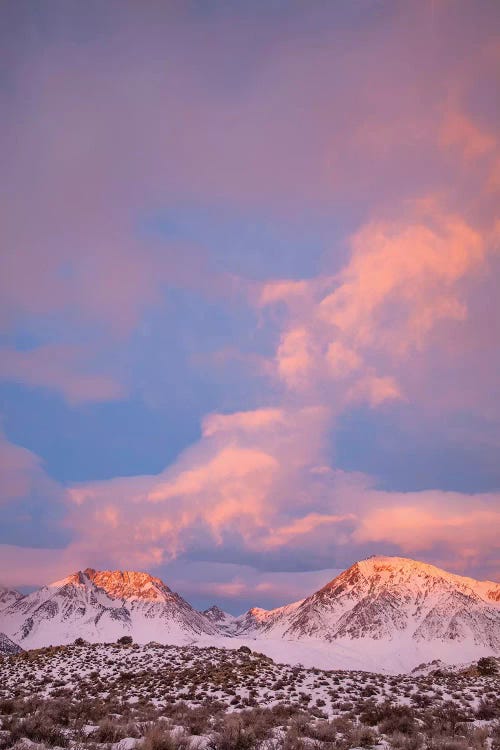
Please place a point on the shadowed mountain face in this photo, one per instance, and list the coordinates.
(8, 647)
(8, 597)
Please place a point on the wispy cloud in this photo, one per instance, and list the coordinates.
(62, 368)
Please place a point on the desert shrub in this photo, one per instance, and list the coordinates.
(7, 706)
(444, 720)
(159, 737)
(398, 719)
(372, 713)
(495, 736)
(362, 737)
(487, 666)
(125, 640)
(282, 712)
(399, 741)
(292, 740)
(58, 711)
(195, 720)
(109, 731)
(343, 725)
(448, 743)
(38, 729)
(488, 709)
(477, 737)
(261, 721)
(322, 731)
(232, 736)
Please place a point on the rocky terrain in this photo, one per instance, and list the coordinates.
(7, 646)
(8, 596)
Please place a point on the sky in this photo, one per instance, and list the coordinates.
(249, 309)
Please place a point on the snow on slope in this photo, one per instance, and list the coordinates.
(382, 597)
(102, 606)
(387, 611)
(223, 621)
(382, 614)
(8, 597)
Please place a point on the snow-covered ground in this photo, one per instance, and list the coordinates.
(88, 687)
(396, 656)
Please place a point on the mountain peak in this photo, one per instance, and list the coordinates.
(102, 605)
(217, 615)
(8, 596)
(388, 567)
(119, 584)
(129, 584)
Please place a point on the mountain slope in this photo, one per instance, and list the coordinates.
(102, 606)
(382, 614)
(390, 603)
(8, 647)
(8, 597)
(223, 621)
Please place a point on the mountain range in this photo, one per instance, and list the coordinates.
(383, 613)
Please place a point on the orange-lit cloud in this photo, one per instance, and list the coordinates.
(460, 132)
(303, 526)
(356, 328)
(230, 464)
(243, 420)
(465, 525)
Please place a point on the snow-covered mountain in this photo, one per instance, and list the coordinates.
(102, 606)
(382, 614)
(8, 597)
(391, 606)
(223, 621)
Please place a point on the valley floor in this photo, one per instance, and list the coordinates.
(159, 697)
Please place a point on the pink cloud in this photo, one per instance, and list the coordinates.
(234, 481)
(230, 463)
(243, 420)
(302, 527)
(17, 467)
(296, 357)
(281, 503)
(412, 267)
(341, 360)
(416, 522)
(280, 497)
(374, 390)
(30, 566)
(460, 132)
(357, 330)
(283, 290)
(22, 473)
(59, 367)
